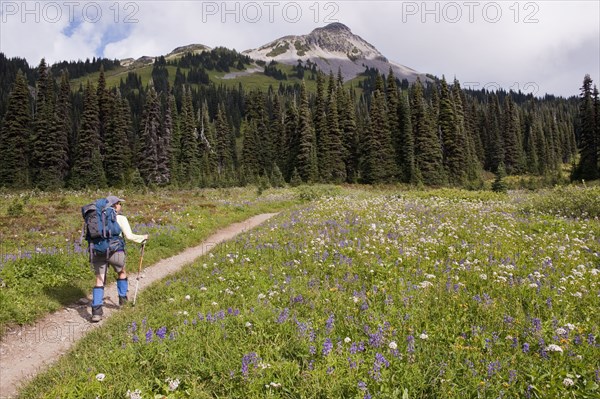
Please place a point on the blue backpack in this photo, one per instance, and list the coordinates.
(102, 232)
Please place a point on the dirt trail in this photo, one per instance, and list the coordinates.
(27, 350)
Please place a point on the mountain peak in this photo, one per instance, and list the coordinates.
(334, 27)
(330, 47)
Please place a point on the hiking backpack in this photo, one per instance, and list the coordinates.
(102, 232)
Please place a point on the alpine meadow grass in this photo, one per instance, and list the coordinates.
(438, 294)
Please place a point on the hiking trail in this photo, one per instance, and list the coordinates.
(28, 350)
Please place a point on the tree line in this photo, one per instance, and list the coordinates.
(430, 132)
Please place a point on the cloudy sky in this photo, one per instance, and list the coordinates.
(536, 46)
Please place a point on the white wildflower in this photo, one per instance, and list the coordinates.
(214, 303)
(430, 276)
(483, 276)
(173, 383)
(100, 376)
(203, 288)
(568, 382)
(577, 294)
(187, 297)
(570, 326)
(137, 394)
(347, 340)
(355, 299)
(533, 285)
(423, 336)
(248, 324)
(554, 348)
(560, 331)
(393, 345)
(425, 284)
(261, 296)
(275, 384)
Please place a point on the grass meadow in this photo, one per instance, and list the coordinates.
(365, 293)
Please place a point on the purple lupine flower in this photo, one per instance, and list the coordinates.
(135, 339)
(172, 335)
(362, 385)
(537, 324)
(351, 363)
(330, 370)
(380, 359)
(549, 302)
(133, 326)
(298, 299)
(512, 376)
(200, 317)
(161, 332)
(283, 316)
(327, 347)
(591, 339)
(493, 368)
(329, 323)
(508, 319)
(515, 342)
(312, 349)
(410, 348)
(311, 365)
(247, 360)
(376, 339)
(525, 347)
(149, 334)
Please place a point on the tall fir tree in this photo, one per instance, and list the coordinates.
(336, 168)
(163, 149)
(189, 172)
(224, 144)
(250, 150)
(405, 150)
(64, 118)
(511, 137)
(118, 154)
(428, 151)
(87, 167)
(587, 168)
(149, 133)
(452, 137)
(292, 139)
(349, 133)
(320, 127)
(306, 160)
(15, 135)
(48, 157)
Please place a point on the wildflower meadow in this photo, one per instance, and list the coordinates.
(364, 295)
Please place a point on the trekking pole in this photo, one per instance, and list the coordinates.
(137, 283)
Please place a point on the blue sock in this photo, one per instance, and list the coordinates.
(97, 296)
(122, 286)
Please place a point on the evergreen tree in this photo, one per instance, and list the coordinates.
(380, 164)
(15, 135)
(149, 133)
(118, 154)
(336, 168)
(428, 152)
(494, 150)
(347, 125)
(320, 128)
(64, 125)
(587, 168)
(225, 155)
(163, 150)
(499, 184)
(405, 150)
(513, 157)
(47, 159)
(87, 167)
(452, 136)
(292, 138)
(280, 150)
(188, 150)
(250, 150)
(306, 161)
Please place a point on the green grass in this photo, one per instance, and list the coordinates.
(394, 294)
(52, 271)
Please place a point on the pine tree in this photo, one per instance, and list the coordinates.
(587, 168)
(380, 159)
(250, 150)
(405, 150)
(15, 135)
(428, 151)
(336, 168)
(103, 109)
(47, 157)
(188, 150)
(64, 130)
(87, 167)
(513, 157)
(149, 132)
(118, 154)
(494, 150)
(452, 136)
(292, 138)
(163, 150)
(306, 161)
(320, 128)
(225, 155)
(280, 150)
(347, 124)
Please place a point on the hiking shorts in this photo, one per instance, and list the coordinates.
(115, 259)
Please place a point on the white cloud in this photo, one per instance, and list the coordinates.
(464, 41)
